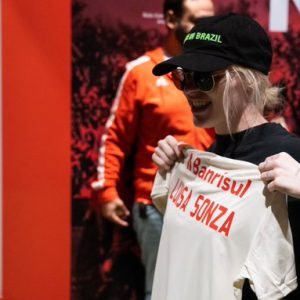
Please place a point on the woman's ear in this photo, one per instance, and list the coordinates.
(171, 19)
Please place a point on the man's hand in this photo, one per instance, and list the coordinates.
(115, 211)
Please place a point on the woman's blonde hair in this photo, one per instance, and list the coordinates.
(257, 89)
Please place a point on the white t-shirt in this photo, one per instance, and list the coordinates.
(220, 227)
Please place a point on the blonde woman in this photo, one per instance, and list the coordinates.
(223, 73)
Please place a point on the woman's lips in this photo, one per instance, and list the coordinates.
(199, 105)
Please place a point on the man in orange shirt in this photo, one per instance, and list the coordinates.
(145, 110)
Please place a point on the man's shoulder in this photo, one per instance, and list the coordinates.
(147, 61)
(138, 62)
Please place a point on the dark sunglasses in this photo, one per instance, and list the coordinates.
(205, 82)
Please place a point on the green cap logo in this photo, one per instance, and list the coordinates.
(204, 37)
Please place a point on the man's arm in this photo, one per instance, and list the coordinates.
(116, 144)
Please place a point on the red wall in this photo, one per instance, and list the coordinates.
(36, 153)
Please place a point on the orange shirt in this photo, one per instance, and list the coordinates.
(146, 109)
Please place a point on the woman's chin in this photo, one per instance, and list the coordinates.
(201, 122)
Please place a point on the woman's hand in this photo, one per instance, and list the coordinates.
(166, 153)
(281, 173)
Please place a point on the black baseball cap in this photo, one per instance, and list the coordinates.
(217, 42)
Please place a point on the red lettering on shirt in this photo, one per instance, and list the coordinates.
(197, 205)
(202, 209)
(219, 180)
(189, 162)
(213, 215)
(187, 200)
(226, 183)
(222, 211)
(227, 224)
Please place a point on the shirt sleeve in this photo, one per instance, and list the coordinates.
(270, 265)
(118, 138)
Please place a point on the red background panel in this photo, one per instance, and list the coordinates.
(36, 151)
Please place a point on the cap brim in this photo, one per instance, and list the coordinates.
(192, 61)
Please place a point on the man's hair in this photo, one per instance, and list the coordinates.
(257, 88)
(175, 5)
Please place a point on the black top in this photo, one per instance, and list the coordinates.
(256, 144)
